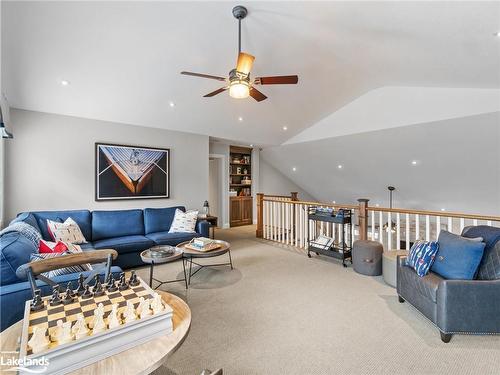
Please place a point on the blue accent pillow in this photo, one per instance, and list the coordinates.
(458, 257)
(421, 256)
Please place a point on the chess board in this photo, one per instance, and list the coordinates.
(142, 329)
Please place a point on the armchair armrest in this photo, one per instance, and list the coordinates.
(203, 227)
(469, 306)
(401, 260)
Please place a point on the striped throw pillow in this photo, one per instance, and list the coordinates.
(72, 249)
(421, 256)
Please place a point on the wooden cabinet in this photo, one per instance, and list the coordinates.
(240, 209)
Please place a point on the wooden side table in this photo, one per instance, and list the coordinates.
(213, 224)
(142, 359)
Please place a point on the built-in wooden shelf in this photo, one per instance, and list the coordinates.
(240, 174)
(240, 206)
(244, 164)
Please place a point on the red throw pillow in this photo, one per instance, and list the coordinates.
(51, 247)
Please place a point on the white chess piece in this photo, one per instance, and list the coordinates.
(130, 313)
(65, 335)
(157, 304)
(56, 333)
(144, 308)
(113, 320)
(38, 342)
(80, 328)
(98, 324)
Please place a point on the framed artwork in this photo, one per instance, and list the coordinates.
(131, 172)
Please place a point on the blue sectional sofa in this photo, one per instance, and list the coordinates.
(127, 231)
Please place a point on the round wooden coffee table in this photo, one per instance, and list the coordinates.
(190, 254)
(142, 359)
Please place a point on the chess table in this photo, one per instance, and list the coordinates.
(142, 359)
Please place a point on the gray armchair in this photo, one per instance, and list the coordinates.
(454, 306)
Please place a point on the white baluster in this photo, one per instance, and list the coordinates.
(462, 224)
(427, 228)
(380, 229)
(373, 224)
(488, 223)
(389, 230)
(407, 231)
(417, 227)
(438, 227)
(474, 222)
(398, 231)
(450, 224)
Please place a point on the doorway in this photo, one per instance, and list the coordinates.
(215, 191)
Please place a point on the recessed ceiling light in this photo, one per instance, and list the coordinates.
(240, 119)
(64, 82)
(334, 202)
(285, 128)
(171, 104)
(497, 34)
(413, 162)
(294, 169)
(339, 166)
(251, 145)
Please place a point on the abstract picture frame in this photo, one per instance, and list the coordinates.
(124, 172)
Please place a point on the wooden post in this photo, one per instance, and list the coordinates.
(294, 196)
(363, 218)
(260, 216)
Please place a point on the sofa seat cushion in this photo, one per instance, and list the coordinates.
(426, 286)
(172, 239)
(112, 224)
(125, 244)
(159, 219)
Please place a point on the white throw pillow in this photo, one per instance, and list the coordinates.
(184, 222)
(69, 231)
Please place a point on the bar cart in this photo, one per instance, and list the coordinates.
(342, 249)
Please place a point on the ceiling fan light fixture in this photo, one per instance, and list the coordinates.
(239, 89)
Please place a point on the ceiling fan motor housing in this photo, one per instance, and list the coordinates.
(240, 12)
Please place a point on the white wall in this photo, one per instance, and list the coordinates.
(221, 150)
(215, 186)
(272, 181)
(50, 163)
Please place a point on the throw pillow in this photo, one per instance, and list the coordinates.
(184, 222)
(47, 247)
(69, 231)
(62, 271)
(421, 256)
(458, 257)
(489, 268)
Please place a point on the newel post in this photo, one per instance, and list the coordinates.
(260, 215)
(294, 196)
(363, 218)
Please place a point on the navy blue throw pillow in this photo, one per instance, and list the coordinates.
(421, 256)
(458, 257)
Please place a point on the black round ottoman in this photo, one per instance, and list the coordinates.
(367, 257)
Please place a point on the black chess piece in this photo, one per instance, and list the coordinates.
(98, 289)
(133, 280)
(55, 300)
(69, 288)
(69, 297)
(111, 287)
(37, 303)
(81, 287)
(87, 293)
(123, 285)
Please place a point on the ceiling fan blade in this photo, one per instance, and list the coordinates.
(213, 93)
(245, 62)
(257, 95)
(277, 80)
(203, 76)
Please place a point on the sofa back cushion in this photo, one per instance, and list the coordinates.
(489, 268)
(28, 218)
(15, 250)
(457, 257)
(81, 217)
(159, 219)
(109, 224)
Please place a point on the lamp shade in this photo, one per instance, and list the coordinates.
(245, 62)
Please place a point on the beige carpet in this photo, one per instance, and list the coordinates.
(279, 312)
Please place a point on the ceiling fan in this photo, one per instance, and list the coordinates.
(239, 83)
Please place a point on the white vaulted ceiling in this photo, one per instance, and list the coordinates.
(123, 61)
